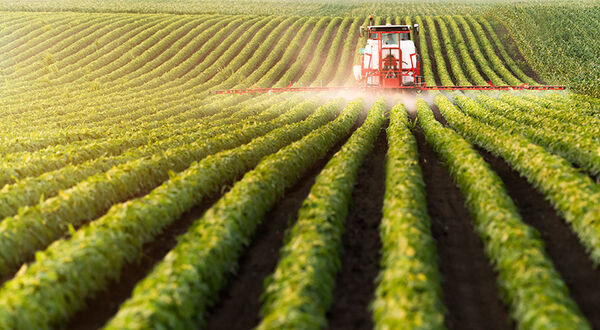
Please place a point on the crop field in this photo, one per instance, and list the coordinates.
(133, 196)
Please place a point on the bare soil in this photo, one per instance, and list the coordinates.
(106, 303)
(469, 286)
(355, 284)
(562, 245)
(238, 304)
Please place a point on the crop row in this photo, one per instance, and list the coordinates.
(426, 64)
(572, 193)
(452, 56)
(85, 262)
(152, 75)
(333, 61)
(257, 61)
(36, 227)
(570, 119)
(515, 249)
(300, 290)
(581, 150)
(477, 35)
(56, 157)
(408, 293)
(29, 191)
(475, 51)
(206, 255)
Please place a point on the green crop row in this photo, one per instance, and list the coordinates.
(332, 64)
(144, 52)
(227, 56)
(533, 290)
(37, 140)
(96, 253)
(552, 117)
(440, 63)
(483, 42)
(408, 294)
(236, 56)
(29, 191)
(559, 42)
(567, 108)
(344, 72)
(572, 193)
(35, 46)
(177, 293)
(27, 164)
(132, 50)
(33, 28)
(292, 71)
(427, 68)
(77, 40)
(77, 45)
(578, 149)
(475, 51)
(300, 290)
(453, 58)
(255, 55)
(36, 227)
(169, 64)
(506, 59)
(101, 47)
(269, 63)
(319, 53)
(32, 164)
(561, 100)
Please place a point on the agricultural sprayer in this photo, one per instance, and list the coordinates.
(389, 62)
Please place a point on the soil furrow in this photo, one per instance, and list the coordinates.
(469, 286)
(106, 303)
(562, 245)
(355, 284)
(241, 296)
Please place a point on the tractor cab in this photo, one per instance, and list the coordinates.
(389, 59)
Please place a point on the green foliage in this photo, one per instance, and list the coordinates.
(82, 265)
(531, 287)
(177, 293)
(472, 51)
(455, 62)
(300, 290)
(482, 40)
(506, 59)
(559, 42)
(408, 293)
(572, 193)
(28, 191)
(440, 63)
(580, 149)
(427, 66)
(36, 227)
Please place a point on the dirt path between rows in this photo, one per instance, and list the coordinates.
(469, 286)
(105, 304)
(562, 245)
(355, 283)
(238, 305)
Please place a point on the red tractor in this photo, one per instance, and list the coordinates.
(390, 59)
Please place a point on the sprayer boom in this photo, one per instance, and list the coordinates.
(422, 87)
